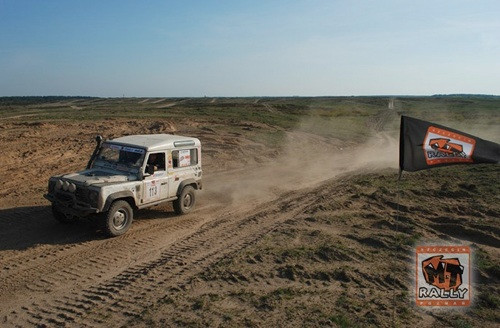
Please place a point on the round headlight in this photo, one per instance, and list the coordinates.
(65, 185)
(72, 187)
(59, 184)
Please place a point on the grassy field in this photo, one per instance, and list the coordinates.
(346, 118)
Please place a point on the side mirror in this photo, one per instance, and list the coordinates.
(150, 169)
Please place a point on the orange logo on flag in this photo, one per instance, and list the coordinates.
(441, 146)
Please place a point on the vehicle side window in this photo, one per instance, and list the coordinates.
(184, 157)
(158, 160)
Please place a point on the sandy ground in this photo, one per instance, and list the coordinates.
(239, 259)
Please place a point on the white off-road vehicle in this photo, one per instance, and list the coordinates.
(126, 174)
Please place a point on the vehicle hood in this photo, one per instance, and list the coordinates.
(97, 177)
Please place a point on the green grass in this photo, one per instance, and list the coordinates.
(485, 263)
(270, 300)
(342, 321)
(341, 117)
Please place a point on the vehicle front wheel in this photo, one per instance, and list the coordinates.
(185, 203)
(118, 219)
(61, 216)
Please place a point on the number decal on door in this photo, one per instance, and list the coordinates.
(152, 190)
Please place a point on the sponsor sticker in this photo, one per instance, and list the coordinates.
(443, 276)
(124, 148)
(184, 158)
(170, 160)
(134, 150)
(441, 146)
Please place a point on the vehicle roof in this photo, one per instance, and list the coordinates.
(152, 142)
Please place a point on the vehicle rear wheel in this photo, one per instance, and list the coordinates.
(118, 219)
(61, 216)
(185, 203)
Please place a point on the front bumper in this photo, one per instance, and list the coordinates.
(68, 204)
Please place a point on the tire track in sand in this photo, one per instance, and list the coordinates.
(125, 293)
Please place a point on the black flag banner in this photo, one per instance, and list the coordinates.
(424, 145)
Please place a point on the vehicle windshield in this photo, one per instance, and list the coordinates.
(121, 158)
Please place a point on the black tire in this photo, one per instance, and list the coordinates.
(61, 216)
(186, 201)
(118, 218)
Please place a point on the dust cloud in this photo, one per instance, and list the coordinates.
(484, 128)
(317, 151)
(306, 159)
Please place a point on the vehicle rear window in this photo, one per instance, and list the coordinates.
(184, 157)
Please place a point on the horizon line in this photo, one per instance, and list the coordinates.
(257, 96)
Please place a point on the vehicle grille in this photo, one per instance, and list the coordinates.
(64, 197)
(82, 195)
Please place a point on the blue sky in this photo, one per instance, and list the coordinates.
(248, 48)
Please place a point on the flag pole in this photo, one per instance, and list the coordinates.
(398, 200)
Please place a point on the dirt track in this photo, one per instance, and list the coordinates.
(70, 275)
(78, 279)
(56, 274)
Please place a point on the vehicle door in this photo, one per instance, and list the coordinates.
(155, 186)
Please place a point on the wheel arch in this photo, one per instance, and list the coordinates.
(125, 195)
(188, 182)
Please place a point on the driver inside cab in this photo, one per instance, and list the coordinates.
(157, 161)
